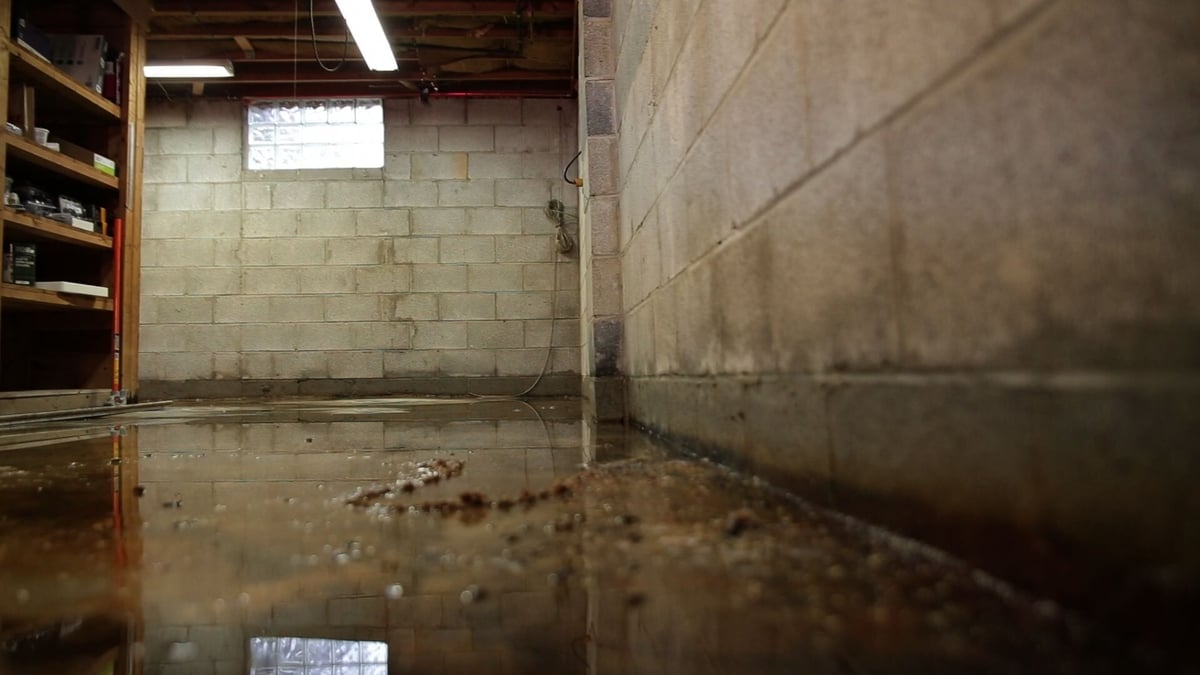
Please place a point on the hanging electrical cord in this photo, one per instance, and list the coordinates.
(578, 182)
(312, 21)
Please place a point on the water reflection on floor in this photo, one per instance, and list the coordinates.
(467, 537)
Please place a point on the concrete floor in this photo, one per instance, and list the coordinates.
(476, 536)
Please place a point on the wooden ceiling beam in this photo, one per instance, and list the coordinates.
(332, 30)
(385, 8)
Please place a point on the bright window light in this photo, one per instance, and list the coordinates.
(193, 70)
(315, 134)
(316, 656)
(368, 34)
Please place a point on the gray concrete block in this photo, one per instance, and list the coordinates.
(825, 273)
(415, 250)
(327, 280)
(545, 112)
(297, 195)
(256, 196)
(439, 278)
(439, 221)
(415, 307)
(327, 223)
(211, 281)
(238, 309)
(523, 305)
(1062, 235)
(268, 337)
(383, 279)
(466, 193)
(601, 108)
(353, 308)
(439, 335)
(537, 277)
(495, 277)
(185, 141)
(165, 169)
(323, 336)
(867, 62)
(439, 166)
(467, 362)
(518, 139)
(602, 173)
(605, 225)
(410, 139)
(467, 139)
(522, 192)
(597, 7)
(459, 306)
(382, 222)
(494, 165)
(293, 308)
(360, 364)
(927, 443)
(409, 193)
(178, 197)
(397, 166)
(490, 112)
(271, 280)
(381, 335)
(410, 364)
(357, 251)
(356, 194)
(269, 224)
(597, 48)
(494, 221)
(468, 249)
(185, 252)
(214, 168)
(495, 334)
(524, 248)
(294, 251)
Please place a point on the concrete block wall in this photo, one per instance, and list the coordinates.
(601, 317)
(434, 274)
(932, 262)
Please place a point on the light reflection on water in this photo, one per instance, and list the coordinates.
(488, 536)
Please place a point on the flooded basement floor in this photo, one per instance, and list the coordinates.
(490, 536)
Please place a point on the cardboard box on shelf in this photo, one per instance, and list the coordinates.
(81, 57)
(92, 159)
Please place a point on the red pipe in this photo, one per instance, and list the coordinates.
(118, 249)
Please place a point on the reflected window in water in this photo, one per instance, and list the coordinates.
(316, 656)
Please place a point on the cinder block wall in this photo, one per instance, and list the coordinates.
(434, 274)
(934, 262)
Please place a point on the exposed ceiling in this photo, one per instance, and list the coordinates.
(493, 47)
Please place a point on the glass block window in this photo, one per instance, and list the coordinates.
(315, 134)
(314, 656)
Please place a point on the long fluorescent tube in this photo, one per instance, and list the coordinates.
(194, 70)
(368, 34)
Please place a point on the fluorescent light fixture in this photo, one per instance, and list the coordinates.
(368, 34)
(191, 70)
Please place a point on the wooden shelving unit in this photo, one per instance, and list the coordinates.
(52, 341)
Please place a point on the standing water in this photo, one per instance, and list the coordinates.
(435, 536)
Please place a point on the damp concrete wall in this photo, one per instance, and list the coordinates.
(931, 262)
(434, 274)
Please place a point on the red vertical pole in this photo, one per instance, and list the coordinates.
(118, 250)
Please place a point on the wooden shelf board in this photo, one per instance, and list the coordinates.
(13, 296)
(52, 229)
(31, 152)
(43, 73)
